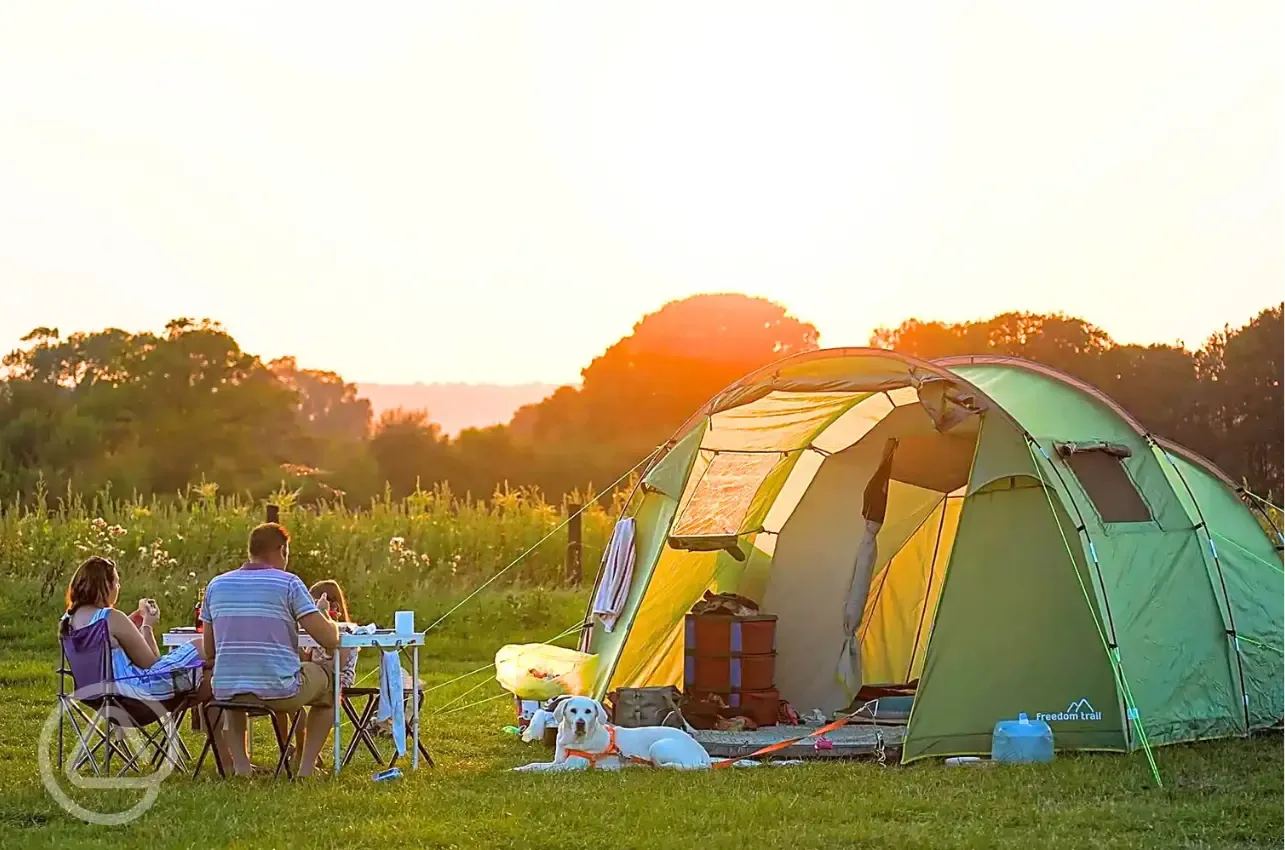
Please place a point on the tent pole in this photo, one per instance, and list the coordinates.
(932, 568)
(864, 625)
(1218, 568)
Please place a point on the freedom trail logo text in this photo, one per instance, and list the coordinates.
(1081, 709)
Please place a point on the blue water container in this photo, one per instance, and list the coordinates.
(1022, 741)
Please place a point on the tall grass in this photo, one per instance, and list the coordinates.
(431, 545)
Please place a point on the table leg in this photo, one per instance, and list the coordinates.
(414, 711)
(338, 713)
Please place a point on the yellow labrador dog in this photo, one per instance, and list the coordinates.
(586, 740)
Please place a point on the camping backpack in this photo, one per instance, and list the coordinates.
(634, 707)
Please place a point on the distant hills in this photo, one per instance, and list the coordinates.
(456, 406)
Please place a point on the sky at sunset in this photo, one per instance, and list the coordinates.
(481, 191)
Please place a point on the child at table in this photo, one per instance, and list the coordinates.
(338, 603)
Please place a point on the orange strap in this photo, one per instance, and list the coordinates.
(780, 745)
(613, 749)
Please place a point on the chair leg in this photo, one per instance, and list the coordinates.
(361, 730)
(62, 710)
(107, 739)
(162, 743)
(175, 750)
(283, 743)
(423, 751)
(126, 751)
(121, 747)
(179, 717)
(87, 754)
(83, 751)
(410, 730)
(163, 753)
(211, 716)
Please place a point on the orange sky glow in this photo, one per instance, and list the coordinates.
(485, 191)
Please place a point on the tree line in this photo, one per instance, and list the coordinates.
(158, 413)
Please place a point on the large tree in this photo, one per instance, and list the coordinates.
(634, 394)
(1242, 397)
(645, 385)
(146, 411)
(410, 451)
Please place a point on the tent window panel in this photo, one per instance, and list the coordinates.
(722, 496)
(1109, 487)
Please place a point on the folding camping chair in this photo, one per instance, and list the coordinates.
(283, 728)
(99, 710)
(365, 727)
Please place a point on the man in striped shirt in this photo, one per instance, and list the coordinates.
(252, 616)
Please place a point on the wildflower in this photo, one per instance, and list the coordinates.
(191, 575)
(397, 543)
(173, 562)
(182, 588)
(99, 522)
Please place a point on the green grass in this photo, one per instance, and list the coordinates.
(1225, 795)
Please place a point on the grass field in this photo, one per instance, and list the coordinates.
(1226, 795)
(426, 552)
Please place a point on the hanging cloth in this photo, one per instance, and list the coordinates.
(392, 710)
(874, 509)
(617, 572)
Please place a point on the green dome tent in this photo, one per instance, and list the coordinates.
(1038, 552)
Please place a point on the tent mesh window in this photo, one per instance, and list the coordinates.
(1109, 486)
(723, 494)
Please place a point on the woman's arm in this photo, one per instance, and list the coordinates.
(151, 614)
(149, 635)
(139, 649)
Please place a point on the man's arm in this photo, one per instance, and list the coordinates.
(207, 640)
(311, 616)
(322, 629)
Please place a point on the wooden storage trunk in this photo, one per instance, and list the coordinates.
(718, 634)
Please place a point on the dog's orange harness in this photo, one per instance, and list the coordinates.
(613, 749)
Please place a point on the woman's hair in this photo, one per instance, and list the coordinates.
(90, 585)
(334, 595)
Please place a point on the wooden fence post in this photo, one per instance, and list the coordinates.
(573, 544)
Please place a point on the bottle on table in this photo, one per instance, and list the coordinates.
(196, 617)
